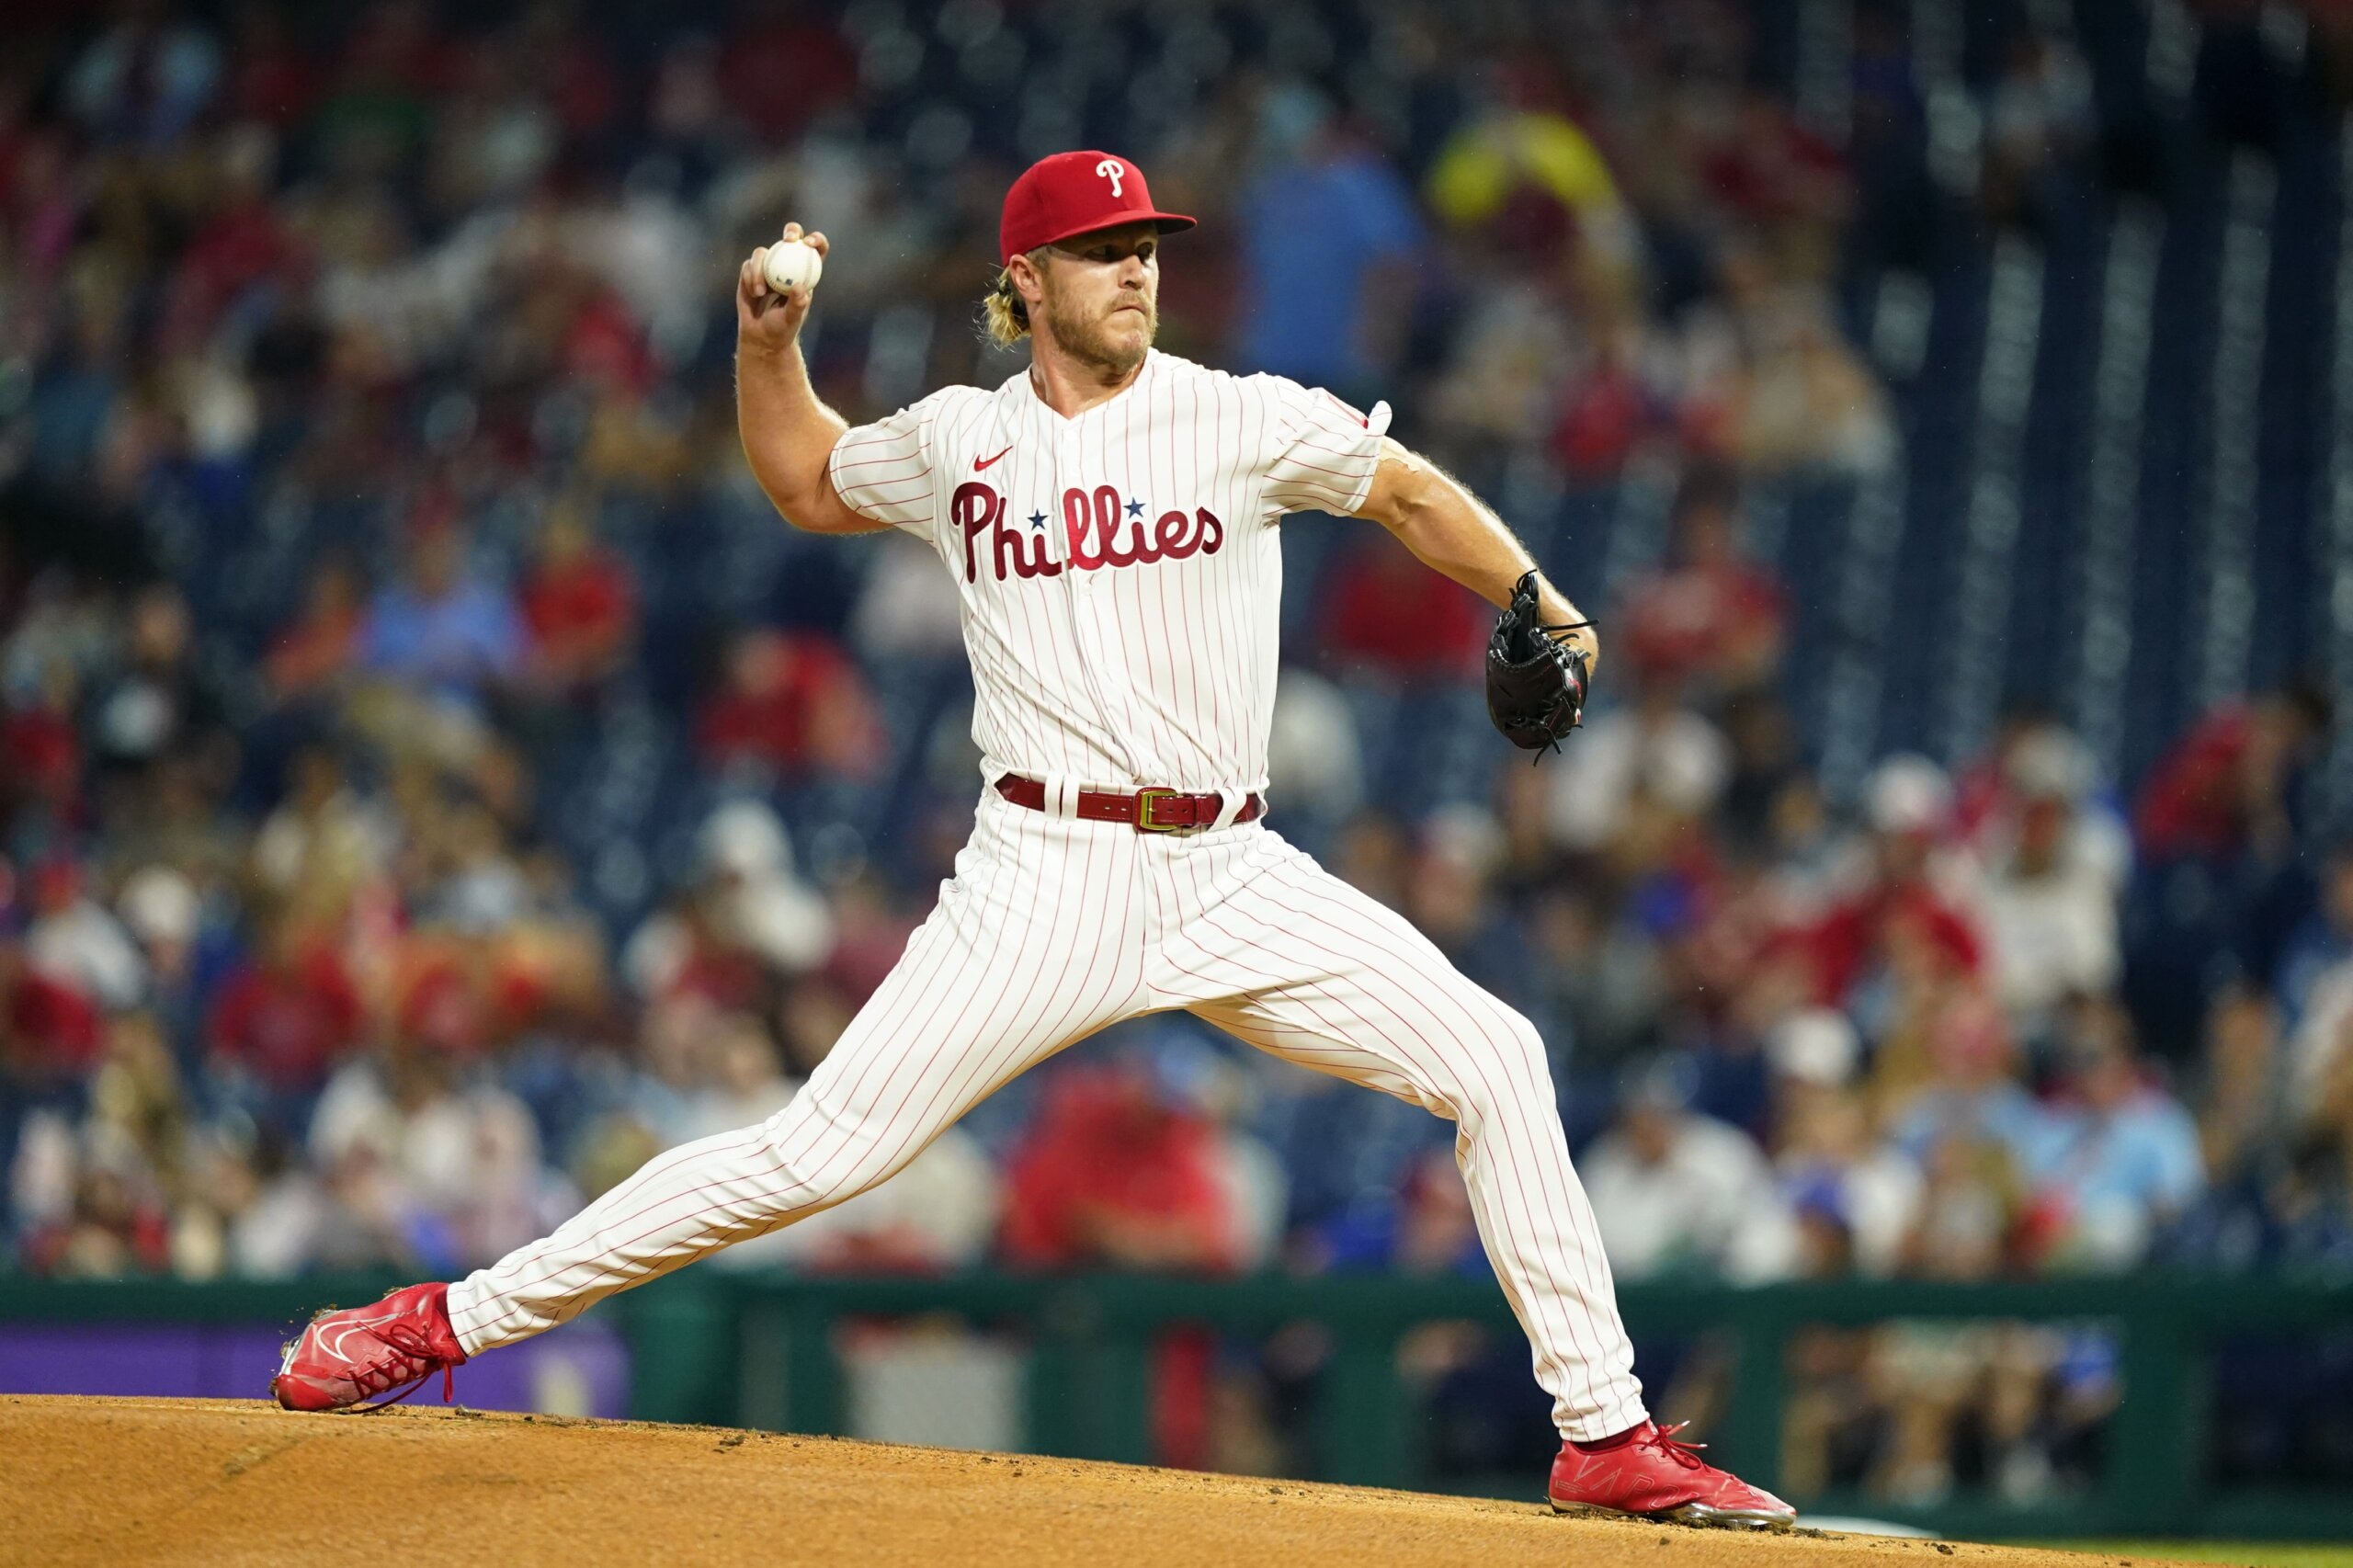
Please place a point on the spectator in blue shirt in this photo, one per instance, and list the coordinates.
(1329, 239)
(1972, 1093)
(441, 628)
(2123, 1159)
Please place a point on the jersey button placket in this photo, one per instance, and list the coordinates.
(1069, 475)
(1094, 628)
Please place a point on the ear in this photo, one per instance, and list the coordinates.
(1029, 279)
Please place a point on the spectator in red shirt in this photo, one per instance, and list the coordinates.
(1860, 935)
(1390, 615)
(580, 602)
(316, 649)
(603, 344)
(1985, 795)
(1707, 612)
(2223, 788)
(50, 1033)
(243, 241)
(1905, 902)
(1607, 410)
(1770, 167)
(2217, 868)
(793, 703)
(442, 1009)
(282, 1018)
(41, 756)
(784, 64)
(1112, 1174)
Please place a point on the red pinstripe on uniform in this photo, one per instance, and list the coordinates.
(1161, 673)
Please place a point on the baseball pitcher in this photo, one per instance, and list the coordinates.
(1111, 517)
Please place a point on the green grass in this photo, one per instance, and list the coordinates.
(2250, 1554)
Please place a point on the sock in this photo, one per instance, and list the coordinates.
(1603, 1445)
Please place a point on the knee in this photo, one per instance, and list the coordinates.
(1523, 1052)
(828, 1159)
(1515, 1069)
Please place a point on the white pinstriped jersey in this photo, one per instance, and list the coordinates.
(1121, 572)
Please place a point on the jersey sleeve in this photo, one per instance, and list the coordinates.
(1325, 452)
(883, 470)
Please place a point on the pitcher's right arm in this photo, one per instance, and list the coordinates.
(787, 433)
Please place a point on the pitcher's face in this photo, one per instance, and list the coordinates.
(1101, 295)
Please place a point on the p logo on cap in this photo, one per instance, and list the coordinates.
(1076, 193)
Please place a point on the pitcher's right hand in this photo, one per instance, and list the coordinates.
(764, 318)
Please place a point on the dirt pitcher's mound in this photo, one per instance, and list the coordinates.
(191, 1481)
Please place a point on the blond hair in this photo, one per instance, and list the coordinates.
(1005, 314)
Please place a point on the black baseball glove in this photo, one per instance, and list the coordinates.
(1536, 684)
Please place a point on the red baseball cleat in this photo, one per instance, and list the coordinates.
(379, 1353)
(1651, 1475)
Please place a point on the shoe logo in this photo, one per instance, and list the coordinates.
(333, 1340)
(980, 463)
(334, 1336)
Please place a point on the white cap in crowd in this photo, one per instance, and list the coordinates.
(1908, 793)
(1815, 1046)
(159, 905)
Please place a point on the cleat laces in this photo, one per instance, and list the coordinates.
(407, 1362)
(1663, 1441)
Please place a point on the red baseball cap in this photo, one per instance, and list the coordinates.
(1074, 193)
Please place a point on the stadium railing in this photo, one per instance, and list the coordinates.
(762, 1350)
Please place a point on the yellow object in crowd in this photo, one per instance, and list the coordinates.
(1484, 161)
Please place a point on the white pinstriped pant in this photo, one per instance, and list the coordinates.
(1052, 928)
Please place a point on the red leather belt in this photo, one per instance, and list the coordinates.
(1146, 811)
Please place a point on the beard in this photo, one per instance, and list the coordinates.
(1091, 341)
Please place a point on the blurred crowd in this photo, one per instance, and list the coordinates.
(432, 782)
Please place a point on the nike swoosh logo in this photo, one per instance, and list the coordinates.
(980, 463)
(341, 1333)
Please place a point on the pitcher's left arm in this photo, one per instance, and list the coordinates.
(1454, 533)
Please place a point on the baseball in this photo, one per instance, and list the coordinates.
(792, 266)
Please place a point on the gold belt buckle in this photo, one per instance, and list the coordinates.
(1145, 822)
